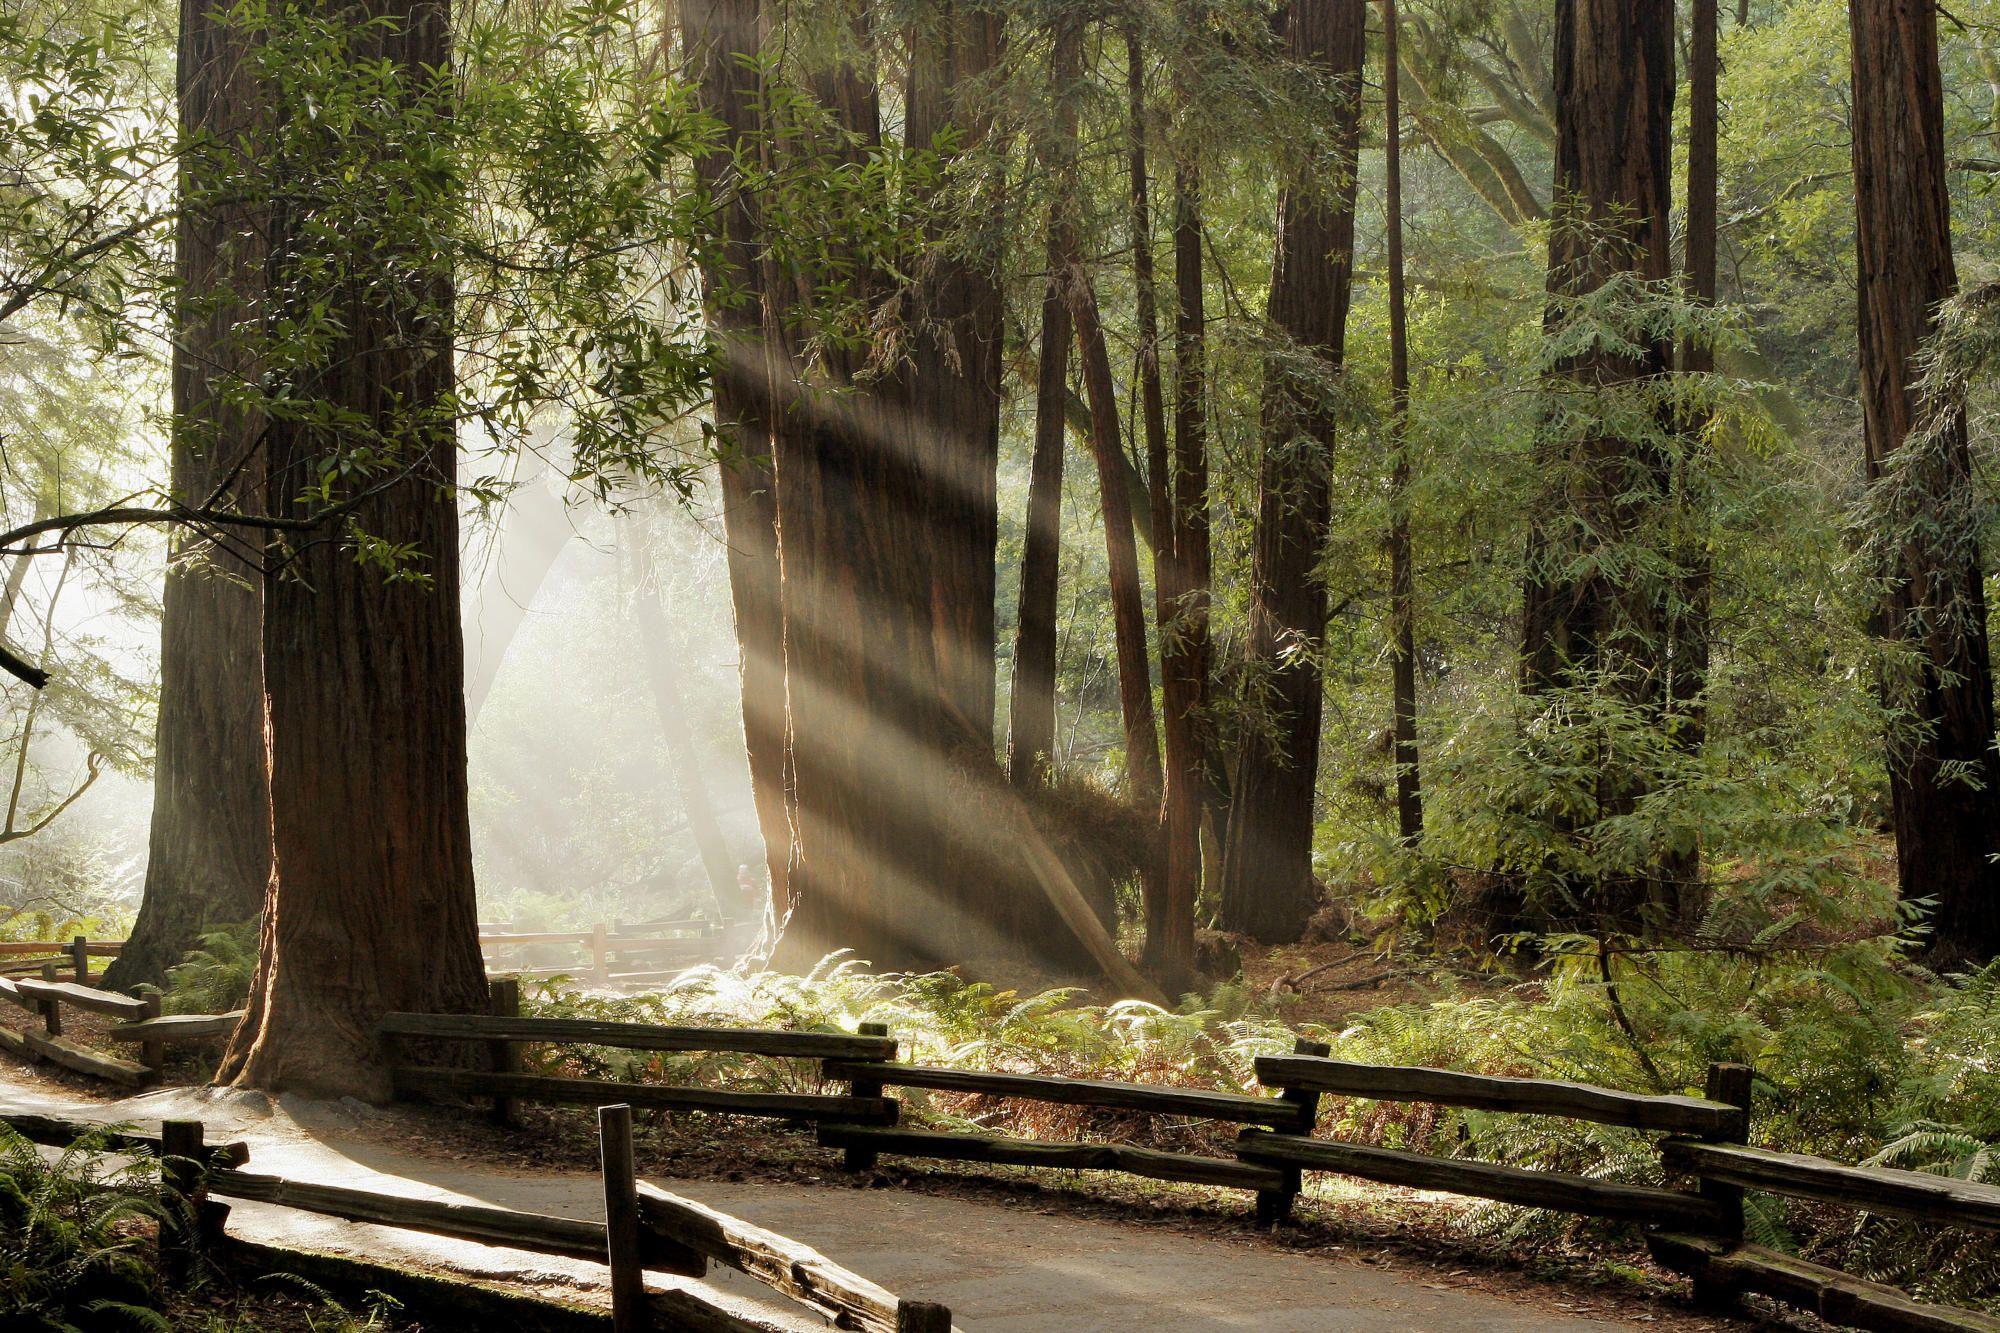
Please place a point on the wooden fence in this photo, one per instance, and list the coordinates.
(1696, 1230)
(646, 1229)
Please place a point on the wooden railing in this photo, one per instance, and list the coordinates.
(1697, 1230)
(646, 1229)
(619, 953)
(47, 996)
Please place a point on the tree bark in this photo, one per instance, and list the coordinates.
(1128, 609)
(1586, 616)
(723, 43)
(951, 382)
(1267, 886)
(371, 905)
(1184, 642)
(1934, 610)
(1402, 557)
(1170, 909)
(1031, 714)
(209, 854)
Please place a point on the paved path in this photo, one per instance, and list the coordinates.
(998, 1268)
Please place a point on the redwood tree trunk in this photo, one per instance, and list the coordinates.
(370, 907)
(209, 857)
(1947, 828)
(723, 44)
(952, 379)
(1267, 887)
(1586, 615)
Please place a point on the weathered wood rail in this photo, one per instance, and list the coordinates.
(646, 1229)
(1697, 1230)
(49, 994)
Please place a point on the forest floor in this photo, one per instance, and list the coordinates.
(1004, 1252)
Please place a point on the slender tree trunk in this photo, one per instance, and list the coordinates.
(1170, 909)
(1031, 714)
(1944, 779)
(1128, 609)
(723, 42)
(1267, 885)
(683, 760)
(1688, 617)
(209, 855)
(1586, 617)
(371, 905)
(1402, 558)
(1184, 643)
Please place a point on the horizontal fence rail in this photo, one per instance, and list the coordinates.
(636, 1036)
(1876, 1189)
(1531, 1096)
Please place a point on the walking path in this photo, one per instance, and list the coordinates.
(999, 1268)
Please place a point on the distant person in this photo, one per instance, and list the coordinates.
(750, 894)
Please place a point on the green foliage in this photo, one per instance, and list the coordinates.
(69, 1243)
(215, 976)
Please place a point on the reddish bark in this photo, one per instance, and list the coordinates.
(1267, 888)
(1402, 557)
(209, 857)
(1946, 828)
(370, 906)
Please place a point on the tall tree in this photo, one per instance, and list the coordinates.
(1402, 556)
(1170, 916)
(1267, 886)
(1592, 613)
(371, 905)
(723, 43)
(951, 381)
(209, 856)
(1032, 704)
(1031, 713)
(1944, 778)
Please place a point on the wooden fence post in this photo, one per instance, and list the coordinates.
(51, 1008)
(153, 1053)
(1730, 1085)
(599, 951)
(854, 1156)
(922, 1317)
(505, 996)
(1275, 1206)
(183, 1171)
(621, 1221)
(79, 959)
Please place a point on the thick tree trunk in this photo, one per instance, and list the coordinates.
(951, 382)
(371, 905)
(1612, 216)
(209, 857)
(1947, 827)
(1267, 887)
(1402, 557)
(723, 43)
